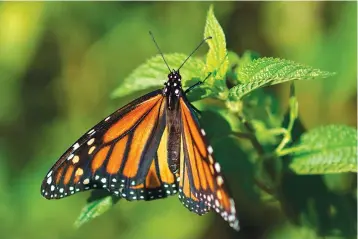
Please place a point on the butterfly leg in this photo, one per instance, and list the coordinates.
(197, 84)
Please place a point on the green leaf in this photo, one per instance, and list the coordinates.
(270, 71)
(154, 73)
(95, 208)
(245, 60)
(327, 149)
(236, 62)
(216, 60)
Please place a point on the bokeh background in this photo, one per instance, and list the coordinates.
(59, 63)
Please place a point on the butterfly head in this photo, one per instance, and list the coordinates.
(174, 76)
(172, 88)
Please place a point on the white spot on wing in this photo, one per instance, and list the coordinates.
(232, 203)
(217, 167)
(76, 146)
(89, 142)
(219, 180)
(49, 180)
(70, 157)
(49, 174)
(86, 181)
(210, 149)
(203, 132)
(75, 159)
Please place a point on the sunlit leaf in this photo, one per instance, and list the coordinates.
(154, 73)
(216, 61)
(328, 149)
(245, 60)
(270, 71)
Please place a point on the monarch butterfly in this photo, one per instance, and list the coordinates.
(149, 149)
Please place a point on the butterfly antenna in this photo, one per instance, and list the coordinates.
(160, 52)
(201, 43)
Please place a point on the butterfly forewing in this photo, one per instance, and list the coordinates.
(116, 154)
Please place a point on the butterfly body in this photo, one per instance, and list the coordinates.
(172, 91)
(149, 149)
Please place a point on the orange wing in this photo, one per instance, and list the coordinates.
(160, 182)
(201, 185)
(119, 154)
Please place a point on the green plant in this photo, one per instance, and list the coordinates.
(281, 152)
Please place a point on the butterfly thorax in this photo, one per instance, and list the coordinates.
(172, 89)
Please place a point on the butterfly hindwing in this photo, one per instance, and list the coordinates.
(202, 184)
(159, 182)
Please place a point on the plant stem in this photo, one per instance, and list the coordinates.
(252, 138)
(277, 131)
(287, 151)
(285, 140)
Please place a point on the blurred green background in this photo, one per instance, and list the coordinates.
(59, 62)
